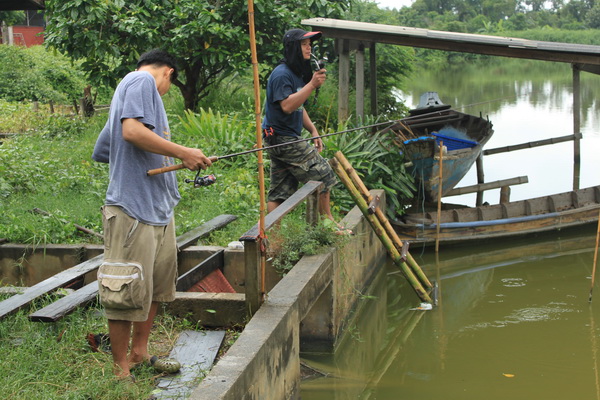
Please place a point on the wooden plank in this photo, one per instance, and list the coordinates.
(191, 237)
(487, 186)
(65, 277)
(286, 207)
(533, 144)
(66, 305)
(196, 351)
(197, 273)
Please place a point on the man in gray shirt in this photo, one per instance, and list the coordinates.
(140, 253)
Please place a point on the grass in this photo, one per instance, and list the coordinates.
(55, 361)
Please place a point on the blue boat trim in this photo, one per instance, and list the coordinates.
(475, 224)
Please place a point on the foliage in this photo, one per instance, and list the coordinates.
(36, 74)
(209, 38)
(296, 239)
(488, 16)
(11, 17)
(379, 164)
(217, 134)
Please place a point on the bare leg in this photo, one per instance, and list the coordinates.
(120, 332)
(271, 205)
(141, 335)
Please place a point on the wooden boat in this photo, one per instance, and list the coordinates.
(547, 213)
(462, 136)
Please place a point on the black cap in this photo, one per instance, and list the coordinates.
(300, 34)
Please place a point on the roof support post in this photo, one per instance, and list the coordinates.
(360, 82)
(576, 125)
(373, 77)
(344, 79)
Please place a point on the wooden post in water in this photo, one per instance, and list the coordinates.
(480, 179)
(576, 125)
(380, 231)
(439, 205)
(595, 258)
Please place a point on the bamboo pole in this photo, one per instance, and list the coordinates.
(381, 217)
(380, 231)
(261, 173)
(595, 258)
(439, 205)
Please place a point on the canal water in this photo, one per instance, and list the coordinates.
(513, 319)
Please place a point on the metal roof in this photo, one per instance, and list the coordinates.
(21, 5)
(586, 56)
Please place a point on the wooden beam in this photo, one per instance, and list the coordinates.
(373, 77)
(459, 42)
(530, 145)
(200, 271)
(66, 305)
(487, 186)
(77, 298)
(360, 82)
(16, 302)
(576, 125)
(343, 80)
(286, 207)
(191, 237)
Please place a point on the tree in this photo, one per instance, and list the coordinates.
(208, 37)
(593, 17)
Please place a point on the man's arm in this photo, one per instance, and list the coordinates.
(309, 126)
(140, 136)
(295, 100)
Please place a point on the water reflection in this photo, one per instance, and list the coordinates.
(526, 101)
(512, 322)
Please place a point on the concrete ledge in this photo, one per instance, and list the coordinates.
(229, 308)
(319, 295)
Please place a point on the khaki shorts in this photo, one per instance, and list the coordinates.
(140, 265)
(296, 163)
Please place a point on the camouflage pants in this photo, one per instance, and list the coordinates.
(293, 164)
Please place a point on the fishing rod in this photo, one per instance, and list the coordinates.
(216, 158)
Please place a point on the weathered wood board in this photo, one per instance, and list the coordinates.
(196, 351)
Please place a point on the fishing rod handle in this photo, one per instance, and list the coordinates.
(162, 170)
(175, 167)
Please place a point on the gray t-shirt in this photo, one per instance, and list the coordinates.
(149, 199)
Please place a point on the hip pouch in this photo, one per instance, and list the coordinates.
(121, 285)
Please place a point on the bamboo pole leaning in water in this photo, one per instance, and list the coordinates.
(339, 156)
(595, 258)
(380, 231)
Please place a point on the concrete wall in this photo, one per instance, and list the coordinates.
(308, 308)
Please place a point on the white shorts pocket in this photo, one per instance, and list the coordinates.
(121, 285)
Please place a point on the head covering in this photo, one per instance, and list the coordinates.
(292, 52)
(300, 34)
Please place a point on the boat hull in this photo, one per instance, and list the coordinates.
(542, 214)
(463, 138)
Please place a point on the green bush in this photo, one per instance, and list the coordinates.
(39, 75)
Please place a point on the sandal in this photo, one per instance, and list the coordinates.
(166, 365)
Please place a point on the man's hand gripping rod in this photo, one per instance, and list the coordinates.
(216, 158)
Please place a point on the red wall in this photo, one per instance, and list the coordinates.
(30, 35)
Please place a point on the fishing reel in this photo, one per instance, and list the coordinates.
(316, 63)
(200, 181)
